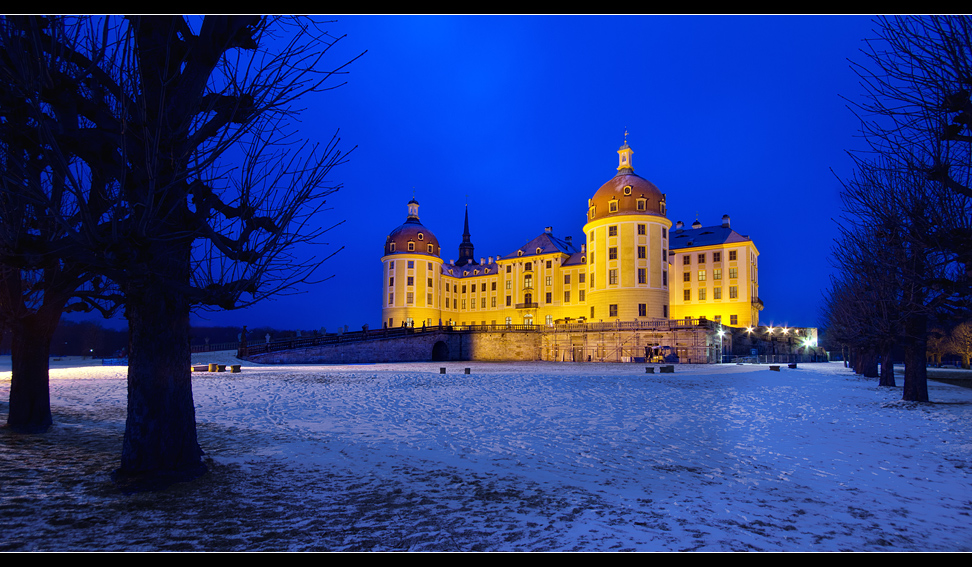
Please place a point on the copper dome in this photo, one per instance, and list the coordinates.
(626, 190)
(412, 237)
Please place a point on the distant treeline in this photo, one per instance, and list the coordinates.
(88, 338)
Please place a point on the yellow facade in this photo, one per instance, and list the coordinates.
(623, 272)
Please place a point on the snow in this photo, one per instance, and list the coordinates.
(512, 457)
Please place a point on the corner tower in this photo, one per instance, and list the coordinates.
(627, 243)
(412, 267)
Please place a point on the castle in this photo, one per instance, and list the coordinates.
(633, 267)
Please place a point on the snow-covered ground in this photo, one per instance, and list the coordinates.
(514, 456)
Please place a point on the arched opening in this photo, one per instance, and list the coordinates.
(440, 351)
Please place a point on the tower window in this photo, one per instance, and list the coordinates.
(411, 246)
(627, 189)
(430, 249)
(612, 231)
(642, 204)
(420, 236)
(613, 206)
(613, 310)
(391, 246)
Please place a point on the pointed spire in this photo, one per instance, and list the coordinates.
(466, 249)
(624, 156)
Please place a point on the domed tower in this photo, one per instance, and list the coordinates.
(627, 243)
(412, 268)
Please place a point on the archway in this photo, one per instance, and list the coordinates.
(440, 351)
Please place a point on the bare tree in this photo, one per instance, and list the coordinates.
(191, 187)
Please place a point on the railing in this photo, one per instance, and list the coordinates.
(527, 305)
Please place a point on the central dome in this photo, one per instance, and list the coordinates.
(412, 237)
(626, 193)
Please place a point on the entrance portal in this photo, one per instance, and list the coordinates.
(440, 351)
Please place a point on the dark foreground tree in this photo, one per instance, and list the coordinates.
(192, 190)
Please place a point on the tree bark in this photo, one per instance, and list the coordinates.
(160, 434)
(916, 374)
(869, 364)
(887, 369)
(30, 399)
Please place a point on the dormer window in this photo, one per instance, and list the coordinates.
(421, 236)
(613, 206)
(411, 246)
(519, 252)
(627, 189)
(391, 246)
(539, 250)
(642, 204)
(592, 212)
(430, 249)
(475, 272)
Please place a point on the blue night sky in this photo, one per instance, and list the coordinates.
(737, 115)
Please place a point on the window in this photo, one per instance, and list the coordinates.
(701, 258)
(391, 266)
(528, 282)
(686, 276)
(612, 231)
(454, 304)
(391, 246)
(613, 253)
(641, 251)
(409, 281)
(429, 264)
(627, 189)
(549, 280)
(411, 264)
(642, 275)
(492, 302)
(492, 286)
(733, 292)
(717, 274)
(732, 255)
(549, 297)
(717, 256)
(391, 282)
(592, 311)
(733, 273)
(592, 236)
(409, 298)
(664, 278)
(664, 259)
(641, 207)
(613, 277)
(482, 303)
(430, 252)
(428, 299)
(429, 282)
(391, 299)
(463, 303)
(613, 310)
(717, 293)
(482, 287)
(509, 300)
(464, 289)
(641, 229)
(642, 310)
(592, 212)
(509, 269)
(592, 280)
(613, 206)
(566, 279)
(411, 246)
(665, 311)
(734, 319)
(566, 297)
(687, 295)
(664, 232)
(549, 264)
(580, 295)
(421, 236)
(701, 294)
(701, 275)
(509, 284)
(686, 260)
(580, 277)
(592, 257)
(549, 320)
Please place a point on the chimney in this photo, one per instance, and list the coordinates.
(583, 248)
(678, 226)
(548, 229)
(482, 261)
(452, 262)
(725, 221)
(569, 240)
(490, 259)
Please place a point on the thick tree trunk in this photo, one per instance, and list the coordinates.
(160, 442)
(916, 375)
(869, 364)
(887, 369)
(30, 399)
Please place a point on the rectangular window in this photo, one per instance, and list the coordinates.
(409, 298)
(717, 293)
(664, 232)
(493, 286)
(592, 311)
(592, 280)
(391, 282)
(717, 274)
(580, 277)
(665, 309)
(549, 264)
(613, 277)
(549, 297)
(509, 284)
(409, 281)
(686, 276)
(613, 310)
(464, 304)
(612, 231)
(641, 229)
(701, 275)
(429, 282)
(508, 269)
(566, 297)
(492, 302)
(732, 255)
(701, 294)
(411, 246)
(686, 260)
(664, 278)
(509, 300)
(482, 303)
(391, 265)
(642, 275)
(482, 287)
(464, 289)
(591, 256)
(717, 256)
(641, 251)
(428, 299)
(391, 299)
(733, 273)
(566, 279)
(454, 307)
(411, 264)
(718, 318)
(642, 310)
(687, 295)
(580, 295)
(734, 319)
(549, 280)
(701, 258)
(613, 253)
(733, 292)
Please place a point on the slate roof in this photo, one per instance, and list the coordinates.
(703, 236)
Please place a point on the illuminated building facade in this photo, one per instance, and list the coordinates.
(622, 272)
